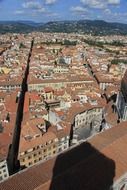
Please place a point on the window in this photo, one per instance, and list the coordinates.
(60, 149)
(23, 160)
(2, 166)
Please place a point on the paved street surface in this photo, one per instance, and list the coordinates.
(85, 132)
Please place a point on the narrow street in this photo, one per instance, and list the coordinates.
(12, 159)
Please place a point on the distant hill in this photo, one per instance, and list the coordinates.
(15, 27)
(30, 23)
(96, 27)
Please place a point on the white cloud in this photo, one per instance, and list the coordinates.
(114, 16)
(32, 5)
(36, 7)
(42, 10)
(19, 12)
(52, 14)
(50, 2)
(107, 11)
(114, 2)
(78, 9)
(119, 14)
(99, 4)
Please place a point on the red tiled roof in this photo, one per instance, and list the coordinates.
(92, 165)
(10, 102)
(5, 140)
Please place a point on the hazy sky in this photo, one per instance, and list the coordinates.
(49, 10)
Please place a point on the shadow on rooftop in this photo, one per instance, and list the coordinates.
(83, 168)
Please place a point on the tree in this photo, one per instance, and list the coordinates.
(22, 45)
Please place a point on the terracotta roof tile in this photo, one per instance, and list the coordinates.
(91, 165)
